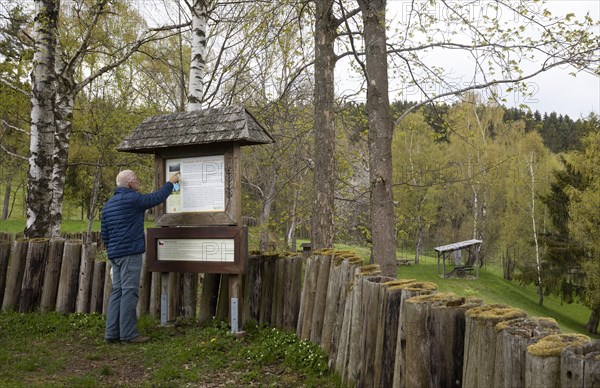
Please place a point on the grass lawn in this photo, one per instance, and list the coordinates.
(56, 350)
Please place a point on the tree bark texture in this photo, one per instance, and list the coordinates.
(320, 298)
(580, 366)
(69, 275)
(107, 287)
(35, 264)
(322, 230)
(208, 299)
(357, 320)
(410, 289)
(199, 11)
(373, 309)
(447, 330)
(4, 257)
(97, 287)
(387, 333)
(12, 291)
(43, 119)
(480, 342)
(190, 294)
(513, 339)
(340, 275)
(380, 136)
(86, 273)
(542, 361)
(252, 290)
(143, 306)
(52, 275)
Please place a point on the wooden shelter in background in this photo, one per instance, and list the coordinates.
(459, 269)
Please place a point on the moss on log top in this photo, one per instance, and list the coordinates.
(552, 345)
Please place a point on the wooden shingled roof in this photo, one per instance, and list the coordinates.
(216, 125)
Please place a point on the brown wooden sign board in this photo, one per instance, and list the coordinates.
(211, 249)
(231, 213)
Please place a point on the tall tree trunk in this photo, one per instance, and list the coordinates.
(43, 120)
(265, 214)
(6, 202)
(538, 265)
(322, 231)
(380, 136)
(592, 324)
(60, 158)
(198, 63)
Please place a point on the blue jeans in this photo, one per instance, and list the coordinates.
(121, 318)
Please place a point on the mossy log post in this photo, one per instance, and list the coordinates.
(208, 297)
(409, 290)
(387, 333)
(332, 301)
(480, 342)
(143, 306)
(355, 344)
(308, 263)
(278, 293)
(86, 273)
(514, 337)
(349, 265)
(4, 257)
(52, 275)
(69, 275)
(308, 295)
(417, 331)
(189, 298)
(580, 366)
(33, 275)
(97, 287)
(542, 361)
(447, 331)
(292, 283)
(223, 301)
(266, 293)
(316, 330)
(373, 295)
(14, 275)
(173, 292)
(107, 287)
(155, 291)
(252, 289)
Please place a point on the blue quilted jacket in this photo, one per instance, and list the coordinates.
(123, 219)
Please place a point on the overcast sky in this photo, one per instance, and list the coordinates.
(554, 90)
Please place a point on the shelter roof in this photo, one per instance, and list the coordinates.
(457, 245)
(215, 125)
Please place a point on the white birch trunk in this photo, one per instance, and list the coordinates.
(199, 12)
(534, 229)
(43, 80)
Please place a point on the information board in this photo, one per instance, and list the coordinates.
(201, 186)
(217, 250)
(208, 249)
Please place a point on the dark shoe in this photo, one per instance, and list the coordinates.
(137, 340)
(112, 340)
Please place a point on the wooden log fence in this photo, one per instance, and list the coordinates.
(480, 342)
(514, 337)
(377, 331)
(580, 365)
(542, 361)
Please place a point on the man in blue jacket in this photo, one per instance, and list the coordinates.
(123, 235)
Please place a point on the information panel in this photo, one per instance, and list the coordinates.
(207, 249)
(219, 250)
(201, 186)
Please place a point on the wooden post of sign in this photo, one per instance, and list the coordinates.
(164, 298)
(235, 295)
